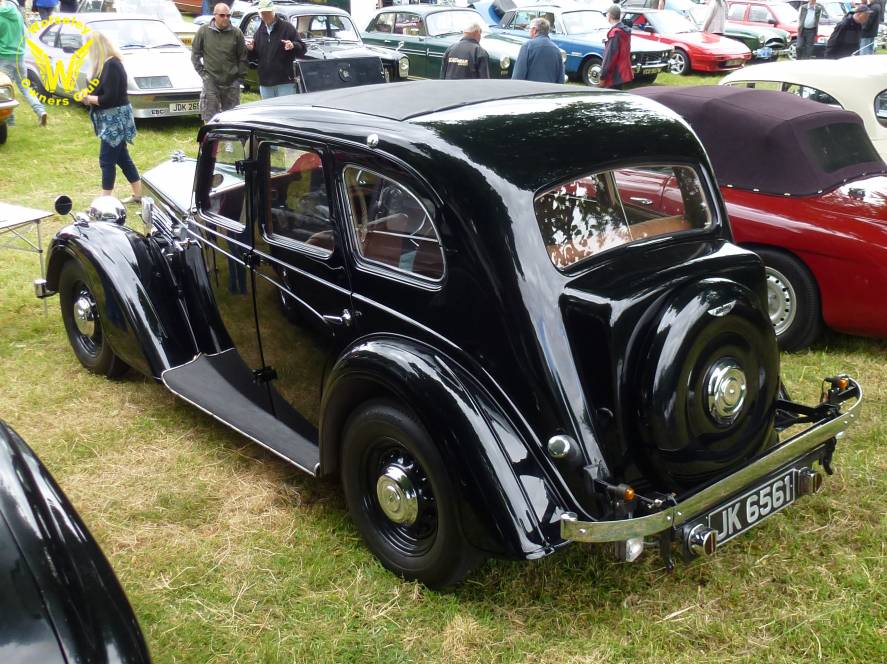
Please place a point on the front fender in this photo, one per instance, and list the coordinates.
(136, 299)
(509, 506)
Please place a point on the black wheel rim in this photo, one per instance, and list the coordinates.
(408, 539)
(89, 344)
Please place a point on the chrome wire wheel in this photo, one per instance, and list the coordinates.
(782, 301)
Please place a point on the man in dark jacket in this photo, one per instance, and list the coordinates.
(616, 68)
(539, 58)
(844, 40)
(274, 47)
(870, 28)
(218, 54)
(466, 58)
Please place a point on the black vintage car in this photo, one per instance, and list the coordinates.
(59, 599)
(441, 292)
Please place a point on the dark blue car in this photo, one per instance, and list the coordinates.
(581, 33)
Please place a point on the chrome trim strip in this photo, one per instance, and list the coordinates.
(793, 448)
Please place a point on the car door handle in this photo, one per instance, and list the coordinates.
(642, 201)
(344, 320)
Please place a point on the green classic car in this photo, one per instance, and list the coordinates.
(424, 32)
(764, 43)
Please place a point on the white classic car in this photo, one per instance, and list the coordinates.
(7, 104)
(165, 10)
(161, 80)
(857, 84)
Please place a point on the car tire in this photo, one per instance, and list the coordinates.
(793, 49)
(86, 335)
(418, 535)
(679, 63)
(590, 72)
(3, 132)
(792, 300)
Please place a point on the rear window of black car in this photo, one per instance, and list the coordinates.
(600, 211)
(841, 144)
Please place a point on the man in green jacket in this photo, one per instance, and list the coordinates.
(12, 51)
(219, 56)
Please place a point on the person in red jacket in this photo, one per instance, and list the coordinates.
(616, 67)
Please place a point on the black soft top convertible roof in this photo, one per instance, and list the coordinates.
(773, 142)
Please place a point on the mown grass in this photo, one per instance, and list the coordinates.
(230, 555)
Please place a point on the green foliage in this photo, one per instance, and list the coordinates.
(230, 555)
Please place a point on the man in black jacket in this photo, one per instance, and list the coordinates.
(274, 47)
(466, 58)
(869, 29)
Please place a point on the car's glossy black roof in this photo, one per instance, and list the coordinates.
(527, 134)
(402, 101)
(773, 142)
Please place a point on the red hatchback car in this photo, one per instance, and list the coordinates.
(693, 50)
(805, 189)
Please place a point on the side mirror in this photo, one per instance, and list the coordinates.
(63, 205)
(772, 21)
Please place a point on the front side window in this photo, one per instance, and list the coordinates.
(297, 207)
(597, 212)
(221, 189)
(392, 225)
(383, 23)
(813, 94)
(758, 14)
(737, 12)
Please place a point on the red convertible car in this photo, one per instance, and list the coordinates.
(693, 49)
(805, 189)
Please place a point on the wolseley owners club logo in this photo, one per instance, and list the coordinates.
(59, 72)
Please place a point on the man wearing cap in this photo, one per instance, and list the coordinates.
(869, 29)
(273, 48)
(808, 27)
(219, 56)
(844, 39)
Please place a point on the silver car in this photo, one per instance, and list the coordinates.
(161, 81)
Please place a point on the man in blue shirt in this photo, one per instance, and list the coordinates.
(539, 58)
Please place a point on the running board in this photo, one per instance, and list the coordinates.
(222, 385)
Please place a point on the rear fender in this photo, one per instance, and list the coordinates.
(137, 301)
(509, 507)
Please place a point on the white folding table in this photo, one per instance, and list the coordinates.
(16, 225)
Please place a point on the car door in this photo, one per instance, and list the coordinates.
(396, 227)
(302, 291)
(409, 28)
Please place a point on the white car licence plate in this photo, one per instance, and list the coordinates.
(184, 106)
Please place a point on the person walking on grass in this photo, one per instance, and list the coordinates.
(219, 56)
(466, 58)
(12, 53)
(274, 47)
(112, 117)
(808, 27)
(869, 29)
(45, 7)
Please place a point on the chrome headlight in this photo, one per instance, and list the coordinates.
(7, 93)
(403, 66)
(881, 108)
(505, 62)
(153, 82)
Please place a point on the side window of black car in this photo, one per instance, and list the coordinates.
(221, 188)
(392, 225)
(297, 207)
(597, 212)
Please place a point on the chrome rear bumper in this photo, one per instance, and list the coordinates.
(676, 515)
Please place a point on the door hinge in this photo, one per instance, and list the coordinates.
(252, 260)
(264, 375)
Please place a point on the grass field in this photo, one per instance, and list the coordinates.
(230, 555)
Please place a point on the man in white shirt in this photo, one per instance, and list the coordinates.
(808, 26)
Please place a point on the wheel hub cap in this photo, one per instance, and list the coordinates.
(780, 301)
(725, 388)
(397, 496)
(84, 315)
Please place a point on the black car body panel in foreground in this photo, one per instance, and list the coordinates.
(60, 599)
(451, 295)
